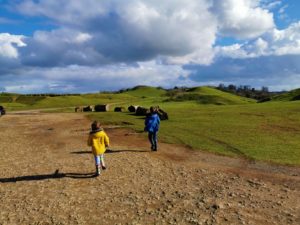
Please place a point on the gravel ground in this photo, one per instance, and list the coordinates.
(46, 177)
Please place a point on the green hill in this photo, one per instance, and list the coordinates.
(146, 92)
(18, 102)
(288, 96)
(139, 95)
(208, 95)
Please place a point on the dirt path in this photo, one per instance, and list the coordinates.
(46, 178)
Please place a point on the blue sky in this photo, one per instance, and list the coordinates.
(87, 46)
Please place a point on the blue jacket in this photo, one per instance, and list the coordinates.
(152, 123)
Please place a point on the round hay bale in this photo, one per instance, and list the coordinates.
(89, 108)
(79, 109)
(141, 111)
(132, 108)
(119, 109)
(162, 114)
(101, 108)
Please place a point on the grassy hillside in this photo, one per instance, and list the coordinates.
(6, 99)
(208, 95)
(20, 102)
(146, 92)
(140, 95)
(289, 96)
(137, 96)
(89, 99)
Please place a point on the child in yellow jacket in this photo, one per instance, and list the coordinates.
(98, 140)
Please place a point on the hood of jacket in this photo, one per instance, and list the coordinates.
(96, 131)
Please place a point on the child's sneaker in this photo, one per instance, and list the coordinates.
(98, 171)
(104, 167)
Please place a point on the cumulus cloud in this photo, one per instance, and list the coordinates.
(96, 32)
(275, 42)
(271, 4)
(273, 71)
(9, 44)
(59, 47)
(270, 60)
(74, 79)
(242, 19)
(134, 30)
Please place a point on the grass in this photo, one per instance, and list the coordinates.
(268, 132)
(146, 92)
(208, 95)
(236, 127)
(28, 100)
(289, 96)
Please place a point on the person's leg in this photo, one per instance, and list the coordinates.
(150, 137)
(97, 164)
(154, 141)
(102, 161)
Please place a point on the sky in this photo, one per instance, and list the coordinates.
(76, 46)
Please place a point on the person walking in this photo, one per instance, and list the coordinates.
(152, 122)
(99, 141)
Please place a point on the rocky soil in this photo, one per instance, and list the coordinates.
(46, 177)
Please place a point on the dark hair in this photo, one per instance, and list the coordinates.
(153, 109)
(95, 125)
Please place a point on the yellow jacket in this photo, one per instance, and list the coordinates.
(98, 140)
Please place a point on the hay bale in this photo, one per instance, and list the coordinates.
(119, 109)
(102, 108)
(2, 110)
(162, 114)
(141, 111)
(89, 108)
(78, 109)
(132, 108)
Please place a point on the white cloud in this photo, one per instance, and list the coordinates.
(96, 32)
(286, 41)
(62, 36)
(60, 47)
(82, 37)
(73, 12)
(135, 30)
(74, 79)
(242, 19)
(283, 9)
(272, 71)
(8, 45)
(275, 42)
(271, 4)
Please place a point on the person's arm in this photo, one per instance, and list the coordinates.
(146, 120)
(146, 123)
(106, 140)
(89, 141)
